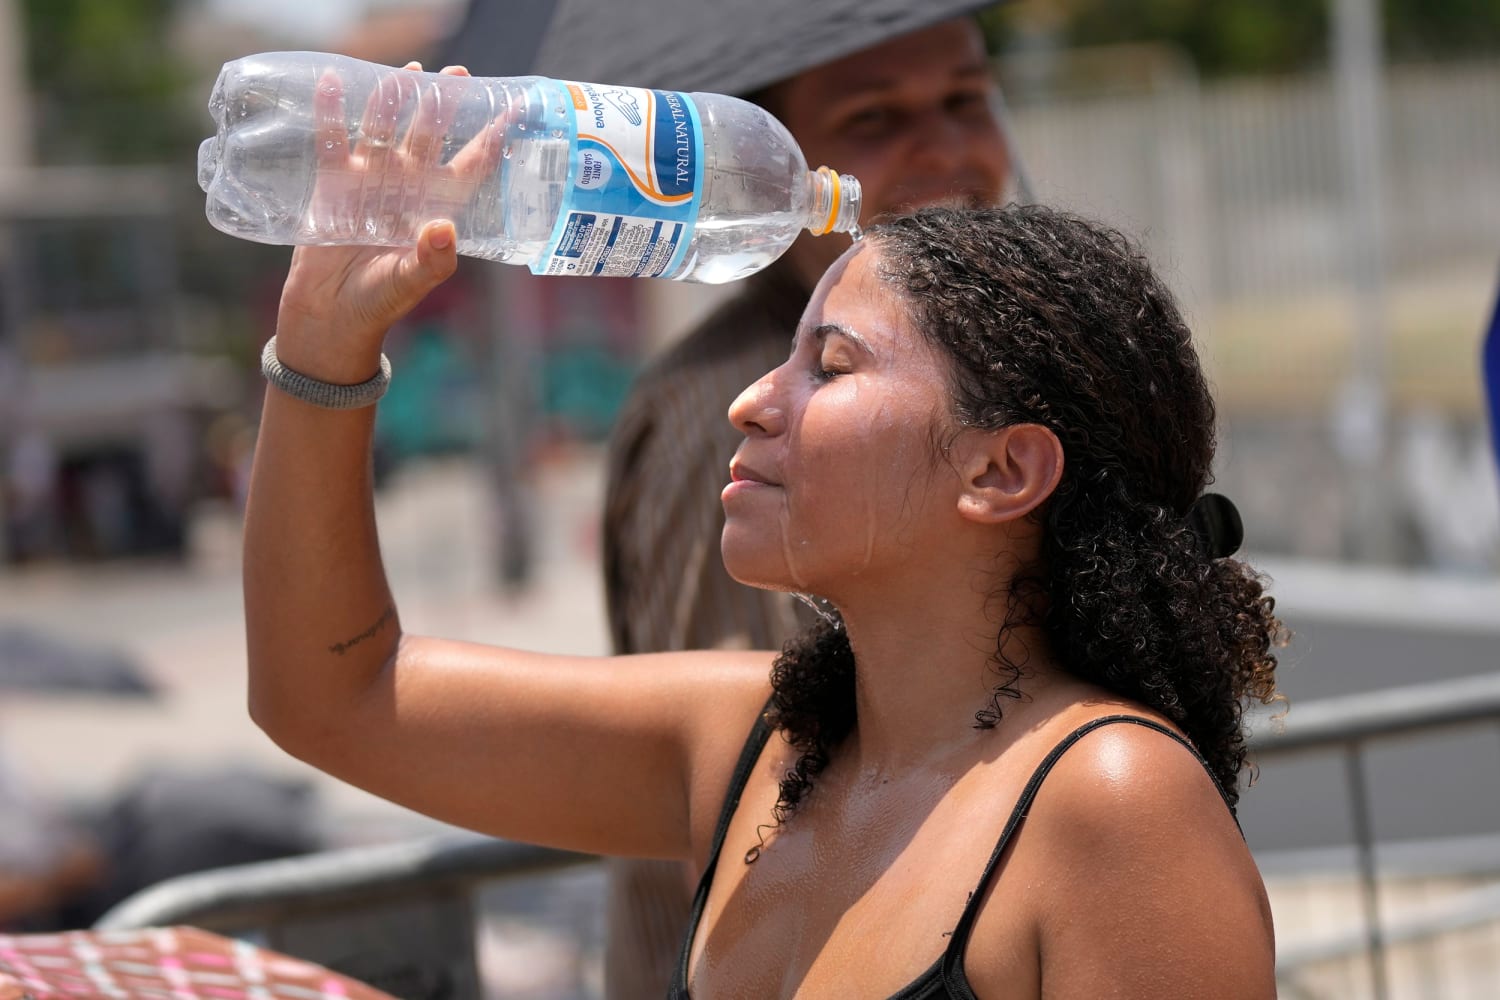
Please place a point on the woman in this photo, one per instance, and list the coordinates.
(984, 452)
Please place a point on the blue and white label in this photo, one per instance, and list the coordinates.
(633, 184)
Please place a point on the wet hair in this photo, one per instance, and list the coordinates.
(1050, 319)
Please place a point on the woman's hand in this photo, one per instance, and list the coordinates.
(338, 301)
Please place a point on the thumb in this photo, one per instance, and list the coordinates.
(437, 252)
(414, 273)
(417, 272)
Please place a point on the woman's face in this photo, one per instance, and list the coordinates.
(838, 480)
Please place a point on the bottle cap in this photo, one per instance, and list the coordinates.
(836, 202)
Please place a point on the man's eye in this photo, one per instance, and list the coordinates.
(869, 120)
(968, 103)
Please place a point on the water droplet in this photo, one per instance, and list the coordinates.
(823, 608)
(505, 151)
(856, 234)
(557, 133)
(520, 126)
(329, 144)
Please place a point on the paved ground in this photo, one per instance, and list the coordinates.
(184, 624)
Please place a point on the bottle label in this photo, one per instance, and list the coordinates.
(633, 184)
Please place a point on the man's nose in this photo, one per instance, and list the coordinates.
(945, 145)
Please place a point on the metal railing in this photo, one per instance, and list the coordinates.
(345, 908)
(400, 917)
(1348, 724)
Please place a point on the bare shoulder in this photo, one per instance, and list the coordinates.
(1123, 779)
(1148, 886)
(728, 689)
(729, 695)
(704, 695)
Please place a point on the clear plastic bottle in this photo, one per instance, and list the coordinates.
(567, 178)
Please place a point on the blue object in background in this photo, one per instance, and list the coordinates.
(1492, 377)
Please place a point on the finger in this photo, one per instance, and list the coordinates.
(481, 155)
(377, 130)
(413, 65)
(422, 138)
(437, 245)
(329, 122)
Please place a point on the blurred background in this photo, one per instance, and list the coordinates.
(1320, 182)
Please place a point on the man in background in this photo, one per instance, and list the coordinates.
(915, 119)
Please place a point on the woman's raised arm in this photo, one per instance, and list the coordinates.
(629, 755)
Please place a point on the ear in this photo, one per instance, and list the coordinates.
(1007, 472)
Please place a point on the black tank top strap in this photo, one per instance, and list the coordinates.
(953, 975)
(754, 744)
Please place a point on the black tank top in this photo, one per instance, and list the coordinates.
(944, 978)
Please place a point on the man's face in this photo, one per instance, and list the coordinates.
(912, 118)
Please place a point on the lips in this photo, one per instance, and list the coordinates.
(739, 472)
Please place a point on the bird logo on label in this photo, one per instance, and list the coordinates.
(626, 103)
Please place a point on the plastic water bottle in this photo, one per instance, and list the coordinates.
(567, 178)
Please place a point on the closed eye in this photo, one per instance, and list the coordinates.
(833, 350)
(832, 364)
(968, 102)
(870, 122)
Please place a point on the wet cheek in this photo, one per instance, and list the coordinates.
(858, 483)
(805, 504)
(897, 468)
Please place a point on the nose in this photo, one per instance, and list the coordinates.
(756, 411)
(967, 151)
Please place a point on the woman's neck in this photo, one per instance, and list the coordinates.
(924, 672)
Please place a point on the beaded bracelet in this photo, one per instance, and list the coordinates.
(328, 395)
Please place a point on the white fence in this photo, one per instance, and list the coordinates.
(1239, 188)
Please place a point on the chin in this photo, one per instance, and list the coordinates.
(753, 566)
(752, 575)
(764, 576)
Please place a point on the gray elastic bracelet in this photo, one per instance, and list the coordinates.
(325, 394)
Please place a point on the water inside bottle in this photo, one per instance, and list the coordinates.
(534, 174)
(730, 249)
(721, 268)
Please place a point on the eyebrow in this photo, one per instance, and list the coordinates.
(822, 332)
(968, 73)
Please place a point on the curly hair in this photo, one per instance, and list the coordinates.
(1050, 319)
